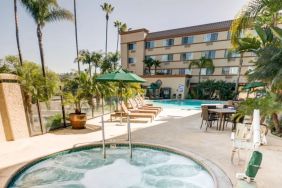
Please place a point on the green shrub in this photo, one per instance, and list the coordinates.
(209, 88)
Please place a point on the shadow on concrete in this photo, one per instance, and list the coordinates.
(69, 131)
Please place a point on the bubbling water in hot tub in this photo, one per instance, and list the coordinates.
(147, 169)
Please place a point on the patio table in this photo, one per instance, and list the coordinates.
(222, 113)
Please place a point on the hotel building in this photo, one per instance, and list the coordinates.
(176, 48)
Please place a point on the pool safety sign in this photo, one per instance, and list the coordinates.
(180, 88)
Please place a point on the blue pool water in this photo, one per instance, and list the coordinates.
(184, 104)
(149, 168)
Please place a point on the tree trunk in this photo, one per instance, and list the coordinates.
(89, 69)
(238, 74)
(117, 39)
(76, 40)
(155, 69)
(39, 36)
(200, 75)
(95, 70)
(149, 68)
(17, 32)
(106, 47)
(39, 116)
(275, 120)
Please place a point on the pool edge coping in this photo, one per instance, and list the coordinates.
(214, 170)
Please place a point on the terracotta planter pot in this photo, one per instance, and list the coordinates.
(78, 121)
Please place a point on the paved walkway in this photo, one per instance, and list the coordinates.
(173, 128)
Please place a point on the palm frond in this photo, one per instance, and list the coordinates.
(58, 14)
(194, 63)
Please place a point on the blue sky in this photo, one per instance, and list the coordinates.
(59, 41)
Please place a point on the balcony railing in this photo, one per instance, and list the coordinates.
(168, 72)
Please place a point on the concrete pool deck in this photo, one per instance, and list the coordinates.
(173, 128)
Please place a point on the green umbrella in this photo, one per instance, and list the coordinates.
(254, 85)
(118, 76)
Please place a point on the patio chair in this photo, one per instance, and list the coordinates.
(208, 118)
(252, 167)
(234, 119)
(140, 102)
(142, 109)
(174, 96)
(242, 139)
(136, 114)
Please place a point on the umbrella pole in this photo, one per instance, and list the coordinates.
(103, 129)
(129, 135)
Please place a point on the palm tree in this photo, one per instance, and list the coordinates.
(108, 9)
(76, 40)
(203, 62)
(45, 11)
(244, 45)
(257, 12)
(85, 57)
(97, 60)
(114, 59)
(17, 32)
(149, 63)
(156, 64)
(106, 65)
(121, 27)
(117, 25)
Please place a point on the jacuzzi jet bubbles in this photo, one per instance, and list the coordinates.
(149, 168)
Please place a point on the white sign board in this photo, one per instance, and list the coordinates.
(180, 88)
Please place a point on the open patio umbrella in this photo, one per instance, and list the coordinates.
(118, 76)
(253, 85)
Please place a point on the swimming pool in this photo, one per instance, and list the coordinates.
(149, 168)
(185, 104)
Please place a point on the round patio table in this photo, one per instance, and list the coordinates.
(222, 113)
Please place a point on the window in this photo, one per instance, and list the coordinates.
(228, 35)
(184, 71)
(150, 56)
(163, 71)
(187, 40)
(150, 44)
(167, 57)
(210, 37)
(209, 54)
(131, 60)
(230, 70)
(207, 71)
(131, 46)
(187, 56)
(231, 54)
(168, 42)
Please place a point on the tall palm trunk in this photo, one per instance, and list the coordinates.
(95, 70)
(39, 36)
(117, 39)
(155, 69)
(239, 72)
(200, 71)
(17, 32)
(107, 22)
(89, 67)
(76, 40)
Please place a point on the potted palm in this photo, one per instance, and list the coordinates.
(76, 94)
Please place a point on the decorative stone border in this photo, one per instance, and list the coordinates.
(221, 180)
